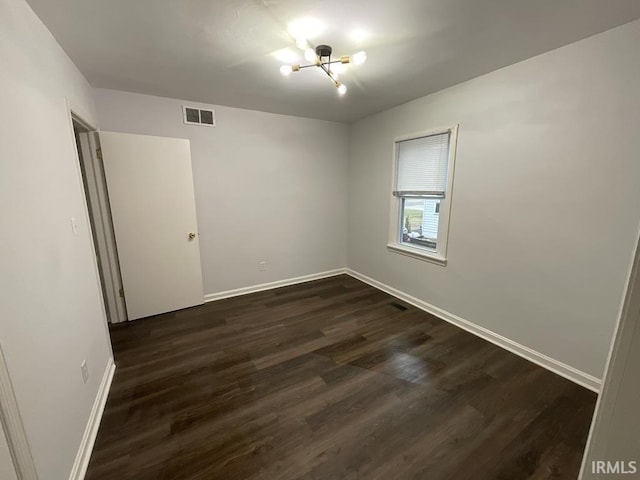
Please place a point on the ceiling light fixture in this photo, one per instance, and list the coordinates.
(321, 58)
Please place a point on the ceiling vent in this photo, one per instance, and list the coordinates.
(196, 116)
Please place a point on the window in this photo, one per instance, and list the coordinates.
(422, 194)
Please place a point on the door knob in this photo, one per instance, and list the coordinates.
(192, 235)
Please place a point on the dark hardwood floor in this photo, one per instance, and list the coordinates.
(331, 379)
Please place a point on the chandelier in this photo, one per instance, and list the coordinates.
(321, 58)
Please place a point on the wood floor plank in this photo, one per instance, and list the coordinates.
(330, 379)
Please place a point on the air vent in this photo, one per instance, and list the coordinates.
(399, 306)
(197, 116)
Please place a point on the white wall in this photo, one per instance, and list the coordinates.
(545, 197)
(51, 315)
(268, 187)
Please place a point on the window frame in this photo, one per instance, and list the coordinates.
(439, 255)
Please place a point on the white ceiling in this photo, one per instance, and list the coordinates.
(222, 51)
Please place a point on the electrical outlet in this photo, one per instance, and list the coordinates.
(262, 266)
(85, 371)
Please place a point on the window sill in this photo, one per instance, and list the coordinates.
(418, 253)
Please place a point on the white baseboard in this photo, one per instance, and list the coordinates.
(562, 369)
(91, 431)
(211, 297)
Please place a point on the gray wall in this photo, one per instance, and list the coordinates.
(545, 197)
(614, 433)
(268, 187)
(51, 314)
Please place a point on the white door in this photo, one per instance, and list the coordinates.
(150, 186)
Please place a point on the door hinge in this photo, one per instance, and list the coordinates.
(122, 292)
(99, 153)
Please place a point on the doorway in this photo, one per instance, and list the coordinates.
(97, 198)
(141, 208)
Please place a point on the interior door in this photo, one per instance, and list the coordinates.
(150, 187)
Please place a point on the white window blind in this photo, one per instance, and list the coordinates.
(422, 166)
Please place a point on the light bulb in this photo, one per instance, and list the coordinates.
(359, 58)
(285, 70)
(342, 89)
(301, 43)
(310, 55)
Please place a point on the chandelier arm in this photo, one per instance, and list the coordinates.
(328, 72)
(322, 63)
